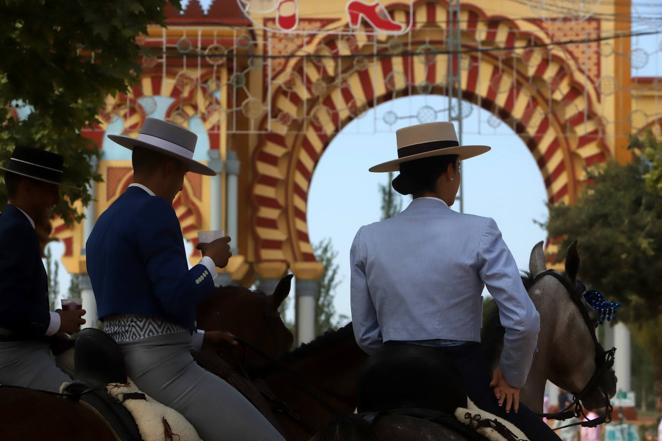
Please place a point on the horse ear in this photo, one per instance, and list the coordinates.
(537, 259)
(572, 261)
(282, 290)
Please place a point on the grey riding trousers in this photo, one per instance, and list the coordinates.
(163, 368)
(30, 364)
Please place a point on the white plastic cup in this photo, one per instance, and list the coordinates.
(209, 236)
(71, 304)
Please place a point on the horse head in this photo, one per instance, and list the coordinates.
(574, 358)
(253, 317)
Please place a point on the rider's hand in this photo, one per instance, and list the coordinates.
(218, 250)
(504, 392)
(70, 320)
(219, 338)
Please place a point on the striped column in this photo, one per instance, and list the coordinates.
(232, 167)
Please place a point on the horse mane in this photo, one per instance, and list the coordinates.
(492, 333)
(321, 342)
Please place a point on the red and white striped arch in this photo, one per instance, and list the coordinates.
(540, 91)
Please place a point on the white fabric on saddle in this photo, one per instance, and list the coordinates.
(155, 421)
(472, 414)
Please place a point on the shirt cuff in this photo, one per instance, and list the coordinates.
(197, 338)
(54, 324)
(209, 264)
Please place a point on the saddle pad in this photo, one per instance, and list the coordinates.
(155, 421)
(472, 415)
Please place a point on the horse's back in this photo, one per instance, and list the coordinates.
(33, 415)
(392, 427)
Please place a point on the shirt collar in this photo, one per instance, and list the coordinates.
(146, 189)
(26, 215)
(434, 199)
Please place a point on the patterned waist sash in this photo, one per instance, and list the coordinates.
(133, 328)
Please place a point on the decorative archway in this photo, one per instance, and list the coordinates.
(542, 93)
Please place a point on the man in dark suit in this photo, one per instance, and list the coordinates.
(32, 179)
(147, 295)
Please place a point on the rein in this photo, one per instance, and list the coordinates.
(604, 360)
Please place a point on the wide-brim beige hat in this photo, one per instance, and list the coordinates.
(425, 141)
(169, 139)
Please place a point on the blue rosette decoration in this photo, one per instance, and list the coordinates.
(606, 309)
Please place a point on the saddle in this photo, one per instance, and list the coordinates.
(98, 361)
(420, 382)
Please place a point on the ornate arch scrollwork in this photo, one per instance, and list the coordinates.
(539, 90)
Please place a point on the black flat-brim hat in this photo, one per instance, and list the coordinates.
(169, 139)
(425, 141)
(36, 164)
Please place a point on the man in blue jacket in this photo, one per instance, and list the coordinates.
(147, 296)
(32, 179)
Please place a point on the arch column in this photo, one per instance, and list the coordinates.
(308, 276)
(86, 293)
(232, 166)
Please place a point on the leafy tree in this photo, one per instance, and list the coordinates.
(60, 60)
(75, 291)
(326, 317)
(391, 202)
(651, 149)
(647, 361)
(618, 224)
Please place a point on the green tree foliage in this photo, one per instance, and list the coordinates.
(647, 361)
(60, 60)
(326, 317)
(617, 222)
(75, 291)
(651, 149)
(391, 202)
(52, 271)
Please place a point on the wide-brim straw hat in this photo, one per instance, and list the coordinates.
(36, 164)
(166, 138)
(425, 141)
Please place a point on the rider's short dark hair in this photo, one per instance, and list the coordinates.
(420, 176)
(145, 161)
(11, 183)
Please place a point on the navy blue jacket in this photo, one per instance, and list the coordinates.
(23, 280)
(137, 262)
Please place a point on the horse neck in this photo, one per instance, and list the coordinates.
(328, 374)
(533, 392)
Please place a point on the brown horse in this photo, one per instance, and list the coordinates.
(318, 382)
(35, 415)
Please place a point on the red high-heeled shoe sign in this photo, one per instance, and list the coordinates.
(375, 14)
(287, 16)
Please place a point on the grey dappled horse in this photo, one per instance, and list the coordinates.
(568, 355)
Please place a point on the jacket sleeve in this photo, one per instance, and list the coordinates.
(364, 317)
(517, 313)
(22, 309)
(178, 289)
